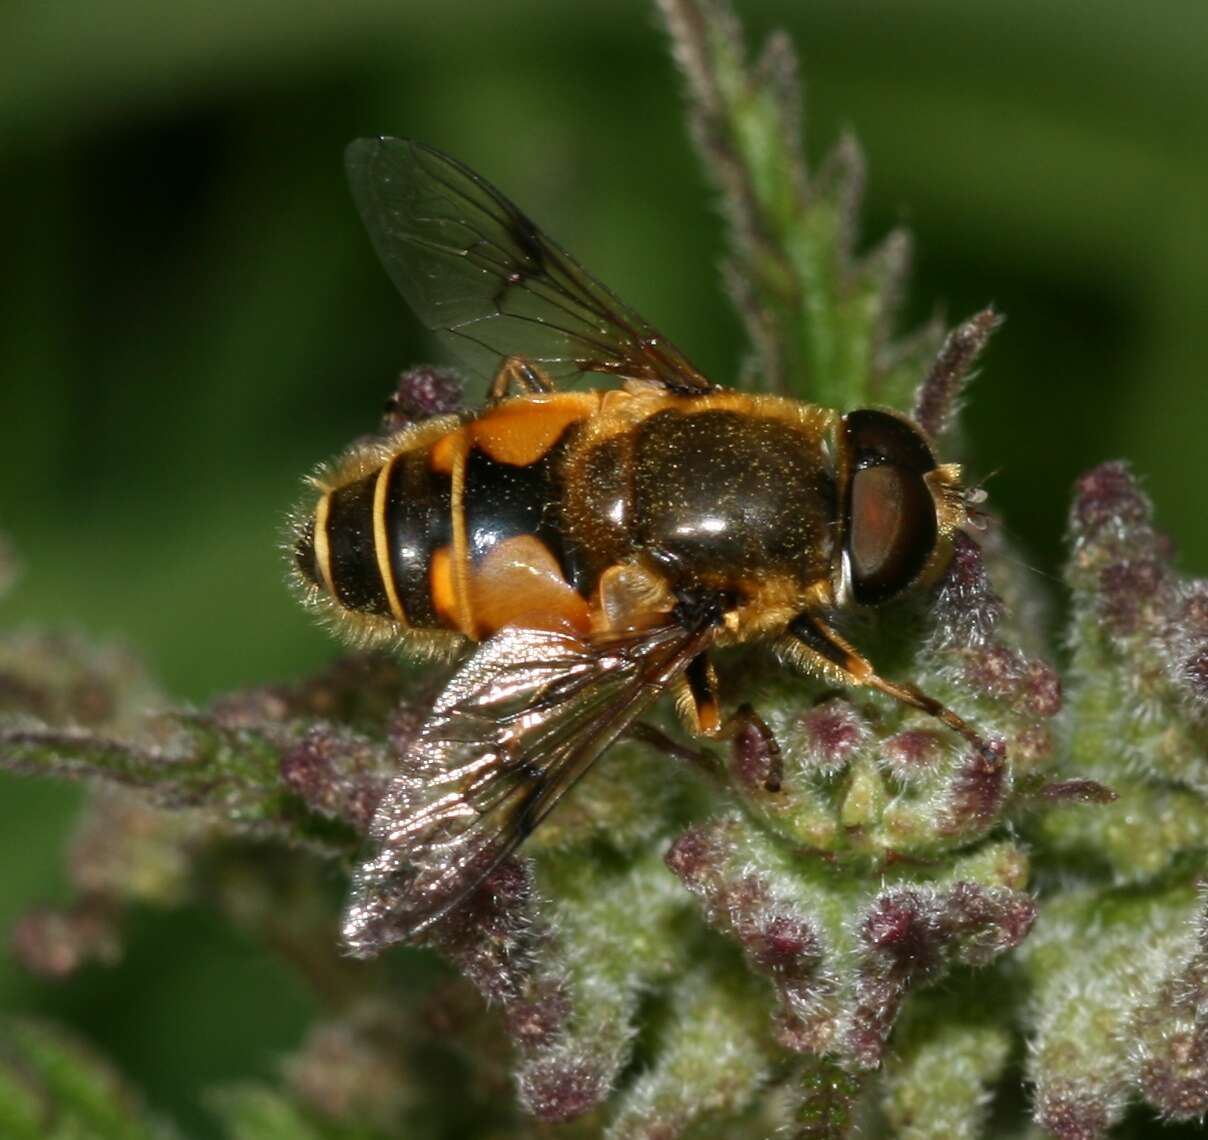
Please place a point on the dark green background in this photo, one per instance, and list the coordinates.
(192, 317)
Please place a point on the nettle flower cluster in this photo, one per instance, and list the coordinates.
(908, 937)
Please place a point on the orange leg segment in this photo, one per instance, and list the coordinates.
(700, 708)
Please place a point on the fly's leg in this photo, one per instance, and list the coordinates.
(699, 703)
(518, 376)
(700, 709)
(654, 736)
(819, 649)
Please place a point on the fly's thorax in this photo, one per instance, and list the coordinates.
(731, 492)
(597, 504)
(718, 490)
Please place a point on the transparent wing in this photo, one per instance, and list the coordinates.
(516, 726)
(478, 271)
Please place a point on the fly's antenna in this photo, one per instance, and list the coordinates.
(975, 499)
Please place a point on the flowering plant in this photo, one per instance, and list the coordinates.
(905, 938)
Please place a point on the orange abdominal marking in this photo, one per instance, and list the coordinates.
(447, 450)
(520, 432)
(520, 578)
(444, 587)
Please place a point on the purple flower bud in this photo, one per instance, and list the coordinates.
(1191, 613)
(982, 922)
(54, 944)
(534, 1021)
(488, 936)
(1174, 1076)
(1169, 1035)
(1131, 592)
(783, 941)
(1071, 1113)
(910, 933)
(561, 1088)
(1107, 496)
(1078, 791)
(976, 795)
(901, 946)
(914, 754)
(1183, 642)
(338, 774)
(937, 398)
(355, 1067)
(1041, 689)
(251, 708)
(831, 734)
(696, 857)
(966, 609)
(995, 672)
(422, 393)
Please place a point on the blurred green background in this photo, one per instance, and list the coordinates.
(192, 316)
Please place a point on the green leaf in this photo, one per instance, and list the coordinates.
(820, 317)
(53, 1087)
(253, 1112)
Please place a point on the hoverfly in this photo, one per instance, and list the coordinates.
(591, 548)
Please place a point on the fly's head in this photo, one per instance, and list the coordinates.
(899, 507)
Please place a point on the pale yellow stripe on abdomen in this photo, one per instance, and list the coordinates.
(323, 544)
(381, 543)
(463, 609)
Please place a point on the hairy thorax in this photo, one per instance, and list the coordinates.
(732, 493)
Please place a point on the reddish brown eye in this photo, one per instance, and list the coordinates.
(892, 532)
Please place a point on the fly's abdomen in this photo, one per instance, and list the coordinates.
(461, 532)
(370, 543)
(413, 522)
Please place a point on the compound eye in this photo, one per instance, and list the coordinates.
(893, 531)
(878, 437)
